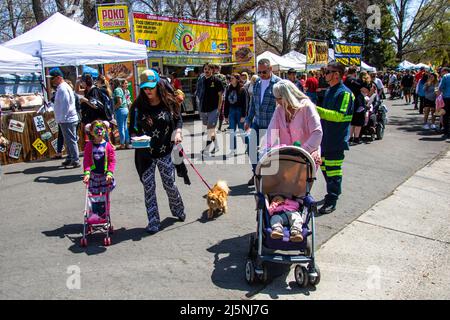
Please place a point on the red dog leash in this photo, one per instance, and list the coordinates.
(196, 171)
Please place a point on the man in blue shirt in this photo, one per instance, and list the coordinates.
(336, 114)
(444, 88)
(262, 107)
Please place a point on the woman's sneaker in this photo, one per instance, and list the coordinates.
(296, 235)
(277, 233)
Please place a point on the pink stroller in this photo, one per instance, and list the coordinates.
(97, 217)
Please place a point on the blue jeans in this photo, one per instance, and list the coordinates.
(121, 117)
(235, 121)
(254, 143)
(69, 132)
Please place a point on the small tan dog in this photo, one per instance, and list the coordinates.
(217, 198)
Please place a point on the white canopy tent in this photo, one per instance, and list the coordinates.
(280, 63)
(296, 57)
(60, 41)
(422, 65)
(12, 61)
(406, 65)
(366, 67)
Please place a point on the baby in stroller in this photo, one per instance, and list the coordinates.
(284, 212)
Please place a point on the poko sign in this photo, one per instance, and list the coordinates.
(112, 17)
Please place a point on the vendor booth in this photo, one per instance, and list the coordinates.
(279, 64)
(58, 41)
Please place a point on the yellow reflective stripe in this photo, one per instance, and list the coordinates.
(334, 163)
(345, 102)
(334, 173)
(348, 118)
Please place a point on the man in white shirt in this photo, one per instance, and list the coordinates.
(66, 116)
(379, 85)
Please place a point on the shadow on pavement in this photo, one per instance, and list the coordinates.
(37, 170)
(240, 190)
(95, 241)
(230, 256)
(60, 180)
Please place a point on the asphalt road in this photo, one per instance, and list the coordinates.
(41, 220)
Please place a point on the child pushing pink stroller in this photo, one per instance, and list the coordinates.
(99, 164)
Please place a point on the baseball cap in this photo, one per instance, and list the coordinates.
(149, 79)
(55, 72)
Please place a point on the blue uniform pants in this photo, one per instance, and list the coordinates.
(332, 171)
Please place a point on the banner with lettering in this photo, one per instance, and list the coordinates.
(243, 47)
(316, 54)
(114, 20)
(161, 33)
(348, 54)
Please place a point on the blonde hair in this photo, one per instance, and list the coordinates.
(254, 78)
(289, 94)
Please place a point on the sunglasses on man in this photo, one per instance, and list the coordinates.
(263, 72)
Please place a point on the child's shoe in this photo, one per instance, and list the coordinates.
(277, 233)
(296, 235)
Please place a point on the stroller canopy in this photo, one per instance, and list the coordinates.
(285, 170)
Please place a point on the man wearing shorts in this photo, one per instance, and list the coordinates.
(407, 83)
(210, 99)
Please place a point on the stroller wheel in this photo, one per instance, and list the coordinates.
(111, 229)
(264, 276)
(250, 271)
(83, 242)
(301, 276)
(107, 241)
(314, 280)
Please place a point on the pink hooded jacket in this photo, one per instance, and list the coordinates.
(287, 206)
(88, 160)
(304, 127)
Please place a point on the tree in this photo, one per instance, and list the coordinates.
(433, 45)
(354, 25)
(406, 30)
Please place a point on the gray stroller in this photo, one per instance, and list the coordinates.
(288, 171)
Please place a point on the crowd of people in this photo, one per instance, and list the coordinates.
(323, 113)
(427, 90)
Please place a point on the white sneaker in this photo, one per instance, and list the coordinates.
(433, 127)
(426, 126)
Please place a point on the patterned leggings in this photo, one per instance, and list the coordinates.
(167, 172)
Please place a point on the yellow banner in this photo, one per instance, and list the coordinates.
(243, 47)
(316, 53)
(346, 61)
(347, 49)
(160, 33)
(113, 20)
(348, 54)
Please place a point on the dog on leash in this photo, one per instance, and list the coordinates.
(217, 198)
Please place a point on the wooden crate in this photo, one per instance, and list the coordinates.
(28, 136)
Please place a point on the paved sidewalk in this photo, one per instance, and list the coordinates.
(398, 249)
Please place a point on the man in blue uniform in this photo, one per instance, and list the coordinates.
(335, 114)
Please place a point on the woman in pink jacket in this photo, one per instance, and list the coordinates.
(295, 120)
(99, 159)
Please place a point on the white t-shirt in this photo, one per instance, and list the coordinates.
(64, 107)
(379, 83)
(264, 85)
